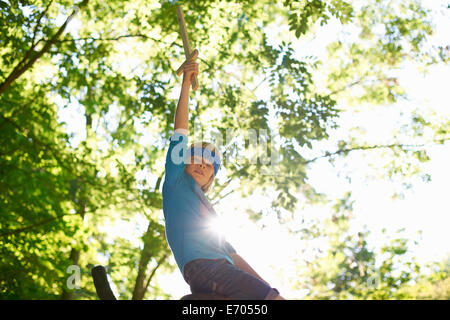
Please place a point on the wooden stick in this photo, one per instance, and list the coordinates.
(186, 44)
(192, 57)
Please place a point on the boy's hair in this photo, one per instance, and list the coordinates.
(212, 148)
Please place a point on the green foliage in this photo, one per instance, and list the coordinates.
(433, 286)
(115, 62)
(303, 14)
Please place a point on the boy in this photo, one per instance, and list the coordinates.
(206, 260)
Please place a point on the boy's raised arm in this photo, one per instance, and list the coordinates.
(182, 112)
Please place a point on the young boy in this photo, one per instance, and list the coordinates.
(206, 260)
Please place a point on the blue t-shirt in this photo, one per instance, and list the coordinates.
(188, 212)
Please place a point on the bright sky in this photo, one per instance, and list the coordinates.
(272, 251)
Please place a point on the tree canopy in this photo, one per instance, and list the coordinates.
(62, 183)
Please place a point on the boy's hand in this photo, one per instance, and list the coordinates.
(190, 69)
(240, 263)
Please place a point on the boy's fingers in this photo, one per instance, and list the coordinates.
(189, 65)
(192, 69)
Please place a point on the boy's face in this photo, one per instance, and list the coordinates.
(200, 169)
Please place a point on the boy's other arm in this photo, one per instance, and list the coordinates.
(241, 264)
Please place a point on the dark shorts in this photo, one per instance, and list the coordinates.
(221, 277)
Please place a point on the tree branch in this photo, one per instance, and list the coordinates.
(137, 35)
(19, 69)
(33, 45)
(221, 197)
(347, 86)
(45, 221)
(158, 264)
(347, 150)
(158, 182)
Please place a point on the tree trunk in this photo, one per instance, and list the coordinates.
(74, 258)
(146, 255)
